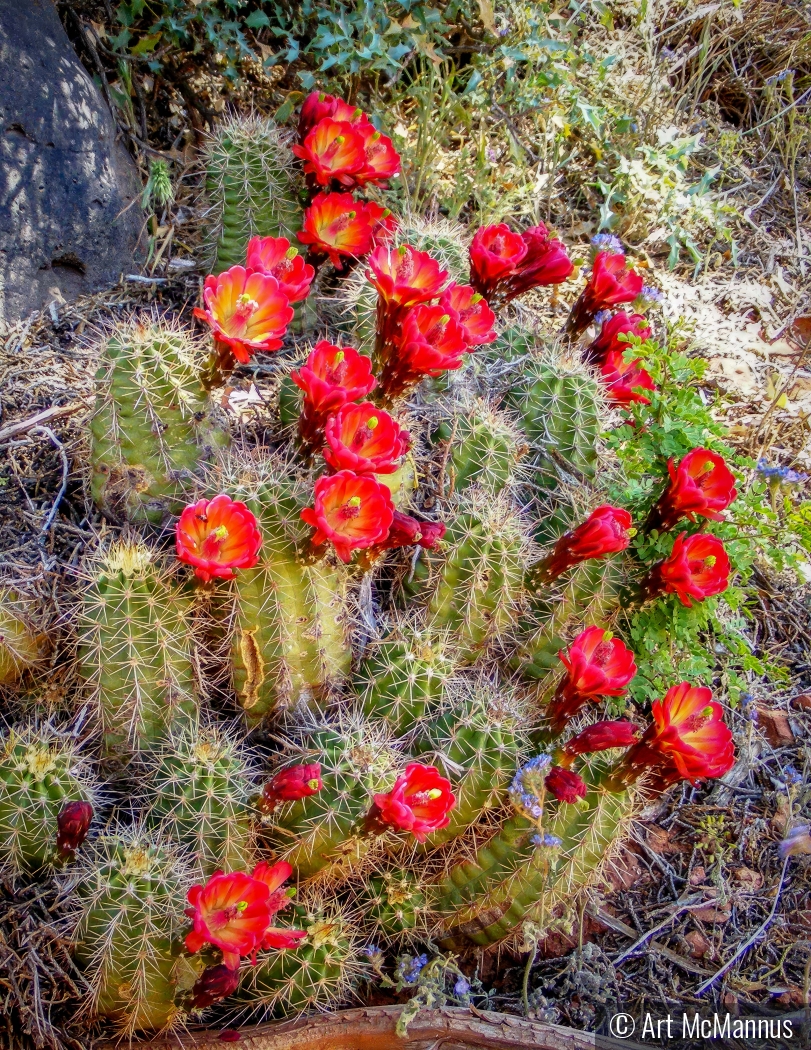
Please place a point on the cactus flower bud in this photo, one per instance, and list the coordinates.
(602, 736)
(365, 439)
(72, 825)
(701, 486)
(605, 531)
(217, 537)
(406, 531)
(504, 264)
(351, 511)
(565, 784)
(420, 801)
(213, 984)
(697, 568)
(291, 784)
(688, 740)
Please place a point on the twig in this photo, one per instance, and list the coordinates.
(686, 906)
(46, 525)
(747, 944)
(138, 278)
(37, 421)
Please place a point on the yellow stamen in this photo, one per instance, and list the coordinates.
(444, 318)
(291, 252)
(434, 793)
(339, 357)
(354, 501)
(339, 140)
(707, 712)
(632, 532)
(220, 533)
(710, 561)
(241, 906)
(372, 422)
(312, 785)
(403, 249)
(476, 298)
(607, 636)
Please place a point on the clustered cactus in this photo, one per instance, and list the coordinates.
(335, 720)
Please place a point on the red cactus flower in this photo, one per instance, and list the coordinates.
(72, 825)
(701, 486)
(382, 159)
(602, 736)
(334, 376)
(470, 309)
(275, 257)
(247, 311)
(597, 664)
(278, 938)
(624, 379)
(217, 537)
(419, 802)
(384, 223)
(273, 876)
(605, 531)
(495, 252)
(318, 105)
(365, 439)
(431, 342)
(608, 339)
(213, 984)
(290, 784)
(504, 264)
(335, 224)
(688, 740)
(565, 784)
(332, 151)
(351, 511)
(231, 912)
(405, 276)
(611, 283)
(698, 567)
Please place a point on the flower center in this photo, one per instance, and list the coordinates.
(351, 508)
(336, 373)
(245, 306)
(214, 540)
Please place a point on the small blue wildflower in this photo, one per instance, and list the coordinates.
(607, 242)
(791, 776)
(528, 801)
(537, 840)
(793, 477)
(462, 987)
(552, 841)
(535, 811)
(409, 969)
(651, 294)
(371, 950)
(602, 316)
(796, 842)
(778, 78)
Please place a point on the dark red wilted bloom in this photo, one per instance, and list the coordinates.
(365, 439)
(318, 105)
(231, 912)
(332, 151)
(406, 531)
(419, 802)
(431, 342)
(382, 159)
(504, 264)
(605, 531)
(246, 311)
(276, 257)
(625, 379)
(608, 339)
(565, 784)
(602, 736)
(290, 784)
(337, 225)
(597, 664)
(213, 984)
(333, 376)
(230, 1035)
(351, 511)
(688, 740)
(701, 486)
(72, 825)
(470, 309)
(697, 568)
(610, 283)
(495, 252)
(217, 537)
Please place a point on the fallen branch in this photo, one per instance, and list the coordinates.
(36, 421)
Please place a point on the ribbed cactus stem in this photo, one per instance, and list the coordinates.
(485, 449)
(21, 646)
(135, 647)
(153, 428)
(251, 186)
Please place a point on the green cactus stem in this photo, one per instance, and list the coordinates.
(395, 903)
(153, 429)
(21, 646)
(39, 773)
(484, 446)
(129, 891)
(251, 186)
(198, 788)
(135, 647)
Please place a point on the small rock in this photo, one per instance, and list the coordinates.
(699, 945)
(802, 702)
(697, 875)
(658, 840)
(775, 726)
(713, 912)
(749, 881)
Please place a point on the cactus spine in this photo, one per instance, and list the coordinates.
(39, 773)
(251, 185)
(153, 429)
(135, 647)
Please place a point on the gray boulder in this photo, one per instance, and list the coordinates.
(69, 212)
